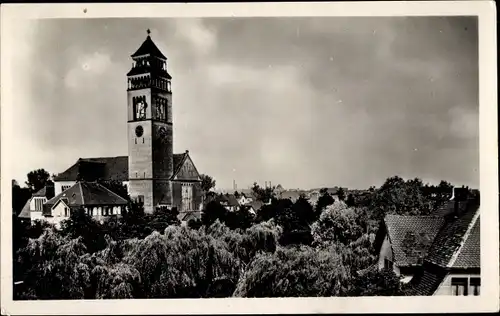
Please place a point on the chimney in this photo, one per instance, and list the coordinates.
(49, 190)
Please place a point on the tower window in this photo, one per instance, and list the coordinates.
(140, 105)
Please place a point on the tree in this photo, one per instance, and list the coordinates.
(19, 197)
(241, 218)
(207, 183)
(350, 200)
(162, 217)
(294, 272)
(263, 194)
(37, 179)
(337, 223)
(295, 221)
(341, 194)
(377, 283)
(213, 211)
(397, 196)
(82, 225)
(324, 200)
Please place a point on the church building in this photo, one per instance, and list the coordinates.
(152, 173)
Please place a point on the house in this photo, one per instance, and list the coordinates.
(403, 241)
(245, 198)
(438, 254)
(255, 206)
(33, 208)
(229, 201)
(452, 265)
(292, 195)
(98, 201)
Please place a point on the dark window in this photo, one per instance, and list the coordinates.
(459, 286)
(388, 264)
(475, 286)
(140, 198)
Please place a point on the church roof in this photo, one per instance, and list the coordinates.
(108, 168)
(86, 193)
(148, 47)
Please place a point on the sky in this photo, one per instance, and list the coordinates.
(303, 102)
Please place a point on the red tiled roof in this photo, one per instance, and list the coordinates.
(86, 193)
(107, 168)
(398, 226)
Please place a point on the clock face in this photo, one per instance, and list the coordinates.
(139, 131)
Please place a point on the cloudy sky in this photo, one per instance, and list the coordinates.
(305, 102)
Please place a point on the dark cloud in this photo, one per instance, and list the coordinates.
(302, 101)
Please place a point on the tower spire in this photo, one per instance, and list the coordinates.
(148, 31)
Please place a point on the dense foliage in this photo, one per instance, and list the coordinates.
(286, 249)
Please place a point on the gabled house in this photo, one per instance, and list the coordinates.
(98, 201)
(246, 198)
(452, 265)
(255, 206)
(33, 208)
(403, 241)
(229, 201)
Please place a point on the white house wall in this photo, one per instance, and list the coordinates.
(386, 253)
(36, 216)
(445, 286)
(59, 184)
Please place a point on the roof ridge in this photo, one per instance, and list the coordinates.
(102, 186)
(464, 239)
(81, 192)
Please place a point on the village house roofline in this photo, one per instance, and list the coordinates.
(456, 249)
(398, 226)
(112, 168)
(86, 194)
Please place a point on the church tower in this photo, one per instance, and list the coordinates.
(150, 131)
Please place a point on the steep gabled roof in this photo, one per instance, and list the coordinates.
(459, 238)
(179, 160)
(107, 168)
(86, 194)
(426, 282)
(469, 255)
(25, 212)
(399, 226)
(148, 47)
(230, 199)
(257, 205)
(456, 246)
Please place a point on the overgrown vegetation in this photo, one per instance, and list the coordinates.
(286, 249)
